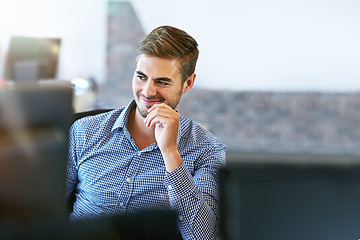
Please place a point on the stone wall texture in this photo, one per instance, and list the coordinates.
(306, 122)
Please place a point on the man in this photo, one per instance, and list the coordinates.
(146, 155)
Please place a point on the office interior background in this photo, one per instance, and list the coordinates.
(278, 76)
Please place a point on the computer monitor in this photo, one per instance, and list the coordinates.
(145, 225)
(290, 196)
(32, 58)
(155, 224)
(34, 125)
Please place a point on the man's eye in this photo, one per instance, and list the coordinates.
(163, 83)
(141, 77)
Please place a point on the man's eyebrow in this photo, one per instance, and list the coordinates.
(165, 79)
(141, 73)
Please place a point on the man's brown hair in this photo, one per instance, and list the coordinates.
(172, 43)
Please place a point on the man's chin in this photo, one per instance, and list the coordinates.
(142, 112)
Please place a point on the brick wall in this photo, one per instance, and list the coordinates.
(124, 33)
(307, 122)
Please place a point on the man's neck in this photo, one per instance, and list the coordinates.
(143, 136)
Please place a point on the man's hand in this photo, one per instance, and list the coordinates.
(166, 122)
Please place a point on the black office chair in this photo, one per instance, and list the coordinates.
(79, 115)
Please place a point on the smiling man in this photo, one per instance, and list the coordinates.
(145, 155)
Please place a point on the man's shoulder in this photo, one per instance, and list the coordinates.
(198, 145)
(198, 133)
(102, 121)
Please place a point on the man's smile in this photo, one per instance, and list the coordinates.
(150, 101)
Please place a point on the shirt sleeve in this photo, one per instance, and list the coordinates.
(195, 197)
(71, 173)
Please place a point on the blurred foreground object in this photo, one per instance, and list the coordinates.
(34, 123)
(290, 196)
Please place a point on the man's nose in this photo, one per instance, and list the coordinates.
(149, 89)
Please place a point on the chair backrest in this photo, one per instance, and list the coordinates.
(79, 115)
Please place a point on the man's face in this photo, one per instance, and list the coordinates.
(156, 80)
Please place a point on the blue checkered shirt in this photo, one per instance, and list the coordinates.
(109, 174)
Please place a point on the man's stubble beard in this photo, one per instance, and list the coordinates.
(145, 113)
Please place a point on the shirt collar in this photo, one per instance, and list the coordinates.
(121, 121)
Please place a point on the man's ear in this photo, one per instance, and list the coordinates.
(189, 83)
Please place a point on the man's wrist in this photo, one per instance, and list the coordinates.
(172, 160)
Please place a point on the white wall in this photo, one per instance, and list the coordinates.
(244, 45)
(268, 44)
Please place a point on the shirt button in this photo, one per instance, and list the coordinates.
(139, 153)
(169, 187)
(128, 180)
(121, 204)
(180, 218)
